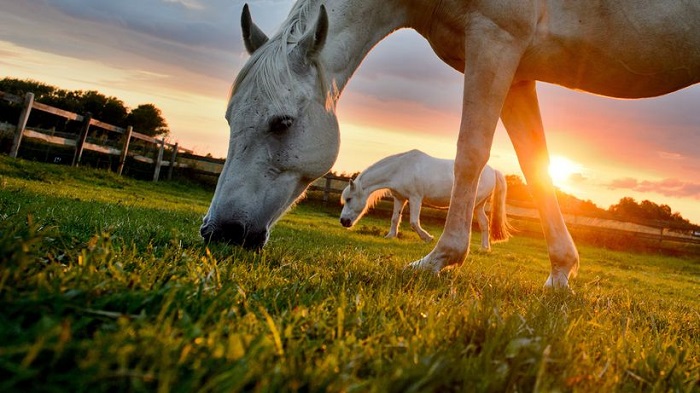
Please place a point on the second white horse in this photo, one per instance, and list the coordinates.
(418, 178)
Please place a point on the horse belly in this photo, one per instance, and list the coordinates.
(438, 203)
(438, 194)
(617, 48)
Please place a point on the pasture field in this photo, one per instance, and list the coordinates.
(105, 285)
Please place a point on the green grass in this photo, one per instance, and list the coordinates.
(105, 285)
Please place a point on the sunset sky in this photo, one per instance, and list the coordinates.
(182, 56)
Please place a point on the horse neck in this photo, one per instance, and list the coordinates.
(355, 27)
(378, 176)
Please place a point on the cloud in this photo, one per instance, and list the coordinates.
(191, 4)
(668, 187)
(392, 73)
(577, 178)
(185, 22)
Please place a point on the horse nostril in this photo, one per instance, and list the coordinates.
(235, 232)
(345, 222)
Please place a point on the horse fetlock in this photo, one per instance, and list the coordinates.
(562, 272)
(567, 264)
(440, 258)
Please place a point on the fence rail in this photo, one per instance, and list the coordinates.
(80, 142)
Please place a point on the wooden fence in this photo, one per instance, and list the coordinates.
(80, 142)
(330, 185)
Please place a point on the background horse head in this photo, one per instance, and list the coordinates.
(284, 132)
(356, 201)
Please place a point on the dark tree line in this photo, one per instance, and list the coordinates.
(146, 118)
(627, 209)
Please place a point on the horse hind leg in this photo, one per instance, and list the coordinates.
(396, 217)
(415, 206)
(499, 225)
(484, 226)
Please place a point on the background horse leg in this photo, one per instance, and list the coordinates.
(483, 221)
(500, 228)
(415, 205)
(521, 117)
(396, 217)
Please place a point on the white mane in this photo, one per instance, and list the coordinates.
(375, 197)
(372, 199)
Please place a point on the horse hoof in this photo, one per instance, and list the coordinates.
(560, 283)
(423, 264)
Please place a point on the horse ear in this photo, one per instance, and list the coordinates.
(253, 37)
(352, 184)
(313, 40)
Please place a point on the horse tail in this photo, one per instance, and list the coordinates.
(500, 227)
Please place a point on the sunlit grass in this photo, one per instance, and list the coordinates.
(106, 286)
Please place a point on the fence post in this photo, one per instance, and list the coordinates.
(173, 157)
(22, 123)
(80, 142)
(327, 189)
(125, 149)
(159, 160)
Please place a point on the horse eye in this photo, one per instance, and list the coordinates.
(280, 124)
(348, 200)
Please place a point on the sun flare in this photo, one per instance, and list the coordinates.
(561, 169)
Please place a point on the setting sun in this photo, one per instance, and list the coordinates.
(561, 169)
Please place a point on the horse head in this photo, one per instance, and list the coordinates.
(284, 131)
(354, 201)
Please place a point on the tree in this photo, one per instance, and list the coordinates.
(627, 209)
(110, 110)
(21, 87)
(147, 119)
(518, 191)
(648, 212)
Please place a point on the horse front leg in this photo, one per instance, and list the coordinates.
(521, 117)
(491, 59)
(396, 217)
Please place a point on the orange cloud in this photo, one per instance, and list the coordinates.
(668, 187)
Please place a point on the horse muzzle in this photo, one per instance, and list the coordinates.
(346, 222)
(234, 232)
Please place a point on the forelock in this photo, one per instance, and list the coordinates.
(268, 64)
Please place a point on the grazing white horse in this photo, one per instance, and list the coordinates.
(284, 130)
(419, 179)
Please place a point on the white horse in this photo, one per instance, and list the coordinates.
(284, 130)
(416, 178)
